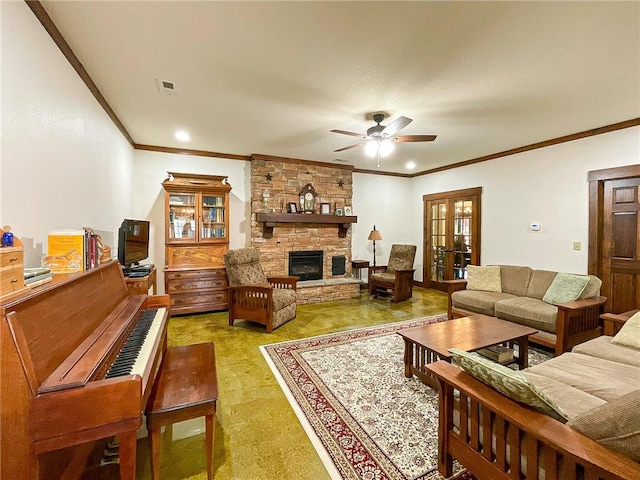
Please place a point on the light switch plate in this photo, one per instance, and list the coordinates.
(577, 245)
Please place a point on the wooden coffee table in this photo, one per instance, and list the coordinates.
(429, 343)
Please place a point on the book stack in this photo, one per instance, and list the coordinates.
(498, 353)
(71, 250)
(37, 276)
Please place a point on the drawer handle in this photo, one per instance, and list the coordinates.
(15, 280)
(13, 259)
(179, 302)
(178, 287)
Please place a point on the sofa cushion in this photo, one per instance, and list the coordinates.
(486, 278)
(602, 347)
(477, 301)
(565, 287)
(593, 287)
(571, 400)
(508, 382)
(629, 334)
(615, 425)
(601, 378)
(515, 279)
(539, 283)
(528, 311)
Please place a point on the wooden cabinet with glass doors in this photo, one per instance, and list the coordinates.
(196, 238)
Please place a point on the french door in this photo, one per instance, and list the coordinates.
(451, 235)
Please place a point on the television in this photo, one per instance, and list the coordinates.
(133, 243)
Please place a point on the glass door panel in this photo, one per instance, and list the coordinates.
(213, 217)
(182, 216)
(462, 237)
(438, 241)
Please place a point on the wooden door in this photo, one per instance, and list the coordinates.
(451, 235)
(614, 231)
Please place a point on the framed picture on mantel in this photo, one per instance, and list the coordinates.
(348, 211)
(339, 212)
(325, 209)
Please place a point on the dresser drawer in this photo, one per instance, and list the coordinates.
(196, 274)
(11, 258)
(188, 284)
(12, 280)
(217, 297)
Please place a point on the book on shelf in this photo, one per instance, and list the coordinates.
(38, 280)
(32, 272)
(66, 251)
(498, 353)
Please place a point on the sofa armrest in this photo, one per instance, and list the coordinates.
(577, 322)
(613, 321)
(453, 286)
(286, 282)
(516, 430)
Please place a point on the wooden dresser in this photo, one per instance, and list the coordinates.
(196, 238)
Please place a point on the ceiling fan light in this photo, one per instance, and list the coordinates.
(386, 147)
(371, 149)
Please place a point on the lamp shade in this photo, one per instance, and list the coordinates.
(375, 235)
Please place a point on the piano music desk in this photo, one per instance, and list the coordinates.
(186, 387)
(141, 285)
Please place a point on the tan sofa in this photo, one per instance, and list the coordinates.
(596, 386)
(559, 326)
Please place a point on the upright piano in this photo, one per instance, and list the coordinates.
(68, 377)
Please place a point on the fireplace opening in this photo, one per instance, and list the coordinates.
(306, 264)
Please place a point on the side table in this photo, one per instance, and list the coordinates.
(358, 265)
(141, 285)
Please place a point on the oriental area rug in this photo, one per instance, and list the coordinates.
(363, 416)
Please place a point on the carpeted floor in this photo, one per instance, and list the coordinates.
(366, 419)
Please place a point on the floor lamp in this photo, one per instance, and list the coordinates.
(374, 235)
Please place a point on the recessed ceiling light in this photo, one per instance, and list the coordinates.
(410, 165)
(182, 136)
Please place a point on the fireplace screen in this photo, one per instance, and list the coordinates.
(306, 264)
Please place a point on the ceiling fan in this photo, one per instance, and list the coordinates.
(379, 138)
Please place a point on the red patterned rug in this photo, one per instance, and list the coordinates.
(365, 419)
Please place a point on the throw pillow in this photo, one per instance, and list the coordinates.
(508, 382)
(615, 424)
(565, 287)
(629, 334)
(485, 278)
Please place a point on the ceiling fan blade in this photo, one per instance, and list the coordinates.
(353, 134)
(349, 147)
(415, 138)
(395, 126)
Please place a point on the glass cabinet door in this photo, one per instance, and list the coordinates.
(213, 217)
(182, 216)
(438, 240)
(462, 237)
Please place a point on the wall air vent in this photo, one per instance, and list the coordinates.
(166, 87)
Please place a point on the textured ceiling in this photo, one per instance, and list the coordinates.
(274, 77)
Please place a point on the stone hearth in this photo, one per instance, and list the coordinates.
(282, 180)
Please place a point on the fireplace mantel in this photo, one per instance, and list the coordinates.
(270, 220)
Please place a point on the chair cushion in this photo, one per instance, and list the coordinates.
(565, 287)
(401, 257)
(528, 311)
(243, 267)
(593, 287)
(485, 278)
(283, 297)
(384, 277)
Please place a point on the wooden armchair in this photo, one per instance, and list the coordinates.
(397, 275)
(254, 297)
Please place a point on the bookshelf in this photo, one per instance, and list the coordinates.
(196, 238)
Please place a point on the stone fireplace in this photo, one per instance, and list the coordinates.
(275, 183)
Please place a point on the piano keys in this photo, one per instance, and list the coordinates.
(58, 344)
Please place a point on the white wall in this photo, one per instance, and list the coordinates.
(150, 170)
(63, 163)
(385, 202)
(547, 186)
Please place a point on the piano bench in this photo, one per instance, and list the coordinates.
(186, 387)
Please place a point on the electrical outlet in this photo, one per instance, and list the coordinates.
(577, 245)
